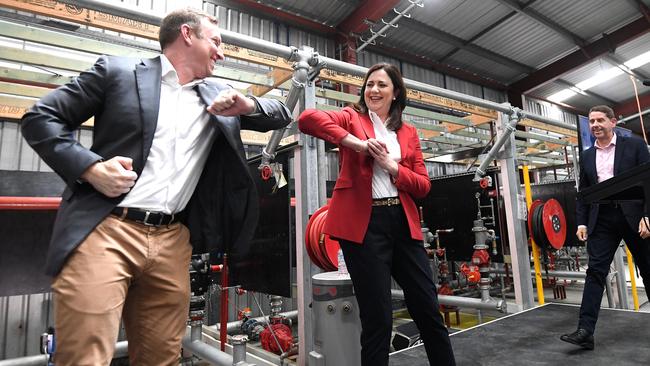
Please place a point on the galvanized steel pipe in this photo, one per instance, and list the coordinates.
(514, 117)
(389, 25)
(468, 302)
(236, 325)
(286, 52)
(39, 360)
(560, 274)
(121, 350)
(211, 354)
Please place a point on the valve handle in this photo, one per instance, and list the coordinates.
(266, 172)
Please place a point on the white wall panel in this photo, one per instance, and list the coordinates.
(22, 321)
(462, 86)
(422, 74)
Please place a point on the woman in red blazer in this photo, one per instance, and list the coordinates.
(373, 215)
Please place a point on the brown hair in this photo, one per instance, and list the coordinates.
(394, 121)
(609, 112)
(171, 24)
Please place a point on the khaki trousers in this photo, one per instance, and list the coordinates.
(123, 270)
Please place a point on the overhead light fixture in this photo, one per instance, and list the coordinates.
(601, 77)
(577, 90)
(638, 61)
(562, 95)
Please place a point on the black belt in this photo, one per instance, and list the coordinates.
(146, 217)
(610, 204)
(389, 201)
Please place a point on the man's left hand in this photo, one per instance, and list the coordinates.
(230, 102)
(644, 229)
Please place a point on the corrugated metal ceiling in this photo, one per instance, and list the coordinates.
(525, 41)
(503, 40)
(588, 18)
(463, 19)
(330, 12)
(489, 68)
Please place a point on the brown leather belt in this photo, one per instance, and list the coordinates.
(389, 201)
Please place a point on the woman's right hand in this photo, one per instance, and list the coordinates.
(352, 142)
(362, 147)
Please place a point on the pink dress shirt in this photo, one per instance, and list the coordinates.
(605, 159)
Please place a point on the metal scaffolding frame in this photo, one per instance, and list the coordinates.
(456, 134)
(310, 154)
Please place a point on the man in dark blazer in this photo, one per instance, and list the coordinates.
(606, 224)
(166, 148)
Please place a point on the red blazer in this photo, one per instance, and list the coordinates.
(349, 212)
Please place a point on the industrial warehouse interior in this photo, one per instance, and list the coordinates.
(509, 165)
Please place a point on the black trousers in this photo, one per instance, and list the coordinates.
(388, 249)
(602, 243)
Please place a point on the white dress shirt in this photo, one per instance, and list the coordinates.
(180, 148)
(382, 185)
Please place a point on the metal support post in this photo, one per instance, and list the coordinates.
(505, 129)
(238, 348)
(621, 283)
(298, 81)
(306, 176)
(211, 354)
(515, 212)
(609, 291)
(576, 166)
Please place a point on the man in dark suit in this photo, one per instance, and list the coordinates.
(166, 147)
(606, 224)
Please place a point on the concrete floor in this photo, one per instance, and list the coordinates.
(532, 338)
(538, 334)
(472, 318)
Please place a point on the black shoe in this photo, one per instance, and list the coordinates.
(580, 337)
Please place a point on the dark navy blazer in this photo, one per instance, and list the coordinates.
(123, 96)
(629, 153)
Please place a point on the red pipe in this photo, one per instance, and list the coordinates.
(29, 203)
(216, 267)
(223, 334)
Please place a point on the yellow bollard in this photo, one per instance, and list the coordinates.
(538, 271)
(630, 264)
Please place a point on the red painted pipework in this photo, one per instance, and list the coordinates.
(216, 267)
(223, 335)
(29, 203)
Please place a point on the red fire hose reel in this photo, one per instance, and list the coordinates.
(321, 248)
(547, 224)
